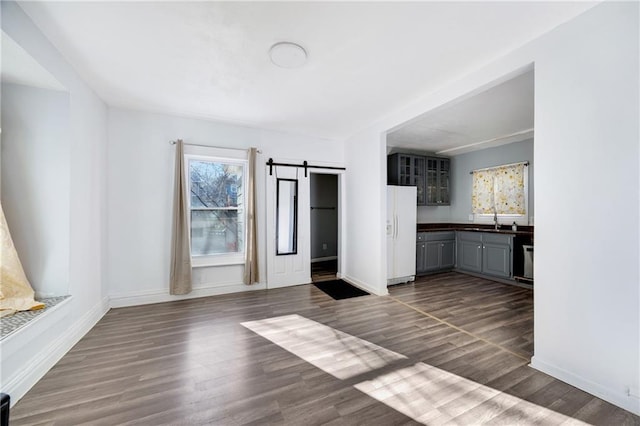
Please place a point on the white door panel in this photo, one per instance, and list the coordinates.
(391, 202)
(291, 269)
(406, 212)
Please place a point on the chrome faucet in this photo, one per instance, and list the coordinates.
(495, 220)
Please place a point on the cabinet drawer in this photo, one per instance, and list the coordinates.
(440, 235)
(470, 236)
(496, 238)
(421, 236)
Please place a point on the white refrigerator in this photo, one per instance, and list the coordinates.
(401, 234)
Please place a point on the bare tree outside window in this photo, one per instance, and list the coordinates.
(216, 203)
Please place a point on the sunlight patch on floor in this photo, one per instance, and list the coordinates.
(427, 394)
(433, 396)
(331, 350)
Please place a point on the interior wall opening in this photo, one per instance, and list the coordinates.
(488, 127)
(324, 214)
(35, 164)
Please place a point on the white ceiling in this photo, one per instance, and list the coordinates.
(210, 59)
(499, 115)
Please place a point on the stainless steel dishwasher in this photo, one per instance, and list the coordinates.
(527, 251)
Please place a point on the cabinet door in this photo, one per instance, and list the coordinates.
(470, 256)
(496, 260)
(437, 181)
(417, 178)
(431, 181)
(447, 254)
(420, 258)
(443, 181)
(405, 170)
(432, 251)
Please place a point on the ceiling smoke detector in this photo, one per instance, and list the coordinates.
(288, 55)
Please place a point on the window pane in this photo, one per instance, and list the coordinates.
(215, 184)
(215, 232)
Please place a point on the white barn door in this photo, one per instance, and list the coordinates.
(290, 269)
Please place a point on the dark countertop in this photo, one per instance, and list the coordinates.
(504, 229)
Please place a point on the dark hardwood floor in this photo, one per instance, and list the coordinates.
(499, 313)
(324, 271)
(193, 363)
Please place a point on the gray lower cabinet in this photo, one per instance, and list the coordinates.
(435, 251)
(421, 257)
(470, 256)
(496, 260)
(485, 253)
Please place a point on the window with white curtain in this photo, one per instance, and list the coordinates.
(501, 191)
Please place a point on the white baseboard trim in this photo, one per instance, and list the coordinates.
(617, 397)
(160, 296)
(48, 356)
(364, 286)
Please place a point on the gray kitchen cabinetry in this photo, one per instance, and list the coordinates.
(437, 181)
(408, 170)
(496, 254)
(421, 255)
(485, 253)
(435, 251)
(470, 251)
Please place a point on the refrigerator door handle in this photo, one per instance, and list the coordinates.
(393, 224)
(396, 227)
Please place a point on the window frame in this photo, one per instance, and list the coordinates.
(507, 219)
(218, 259)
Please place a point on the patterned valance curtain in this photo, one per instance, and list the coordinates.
(499, 190)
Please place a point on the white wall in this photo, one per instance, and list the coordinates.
(35, 183)
(27, 355)
(587, 299)
(364, 245)
(140, 193)
(460, 180)
(587, 107)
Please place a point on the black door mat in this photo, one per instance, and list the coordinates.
(339, 289)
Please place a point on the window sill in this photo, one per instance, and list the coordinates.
(482, 219)
(214, 261)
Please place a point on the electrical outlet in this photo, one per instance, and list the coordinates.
(324, 246)
(471, 217)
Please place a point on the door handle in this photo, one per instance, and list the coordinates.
(395, 227)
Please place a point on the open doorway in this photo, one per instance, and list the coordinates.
(324, 206)
(488, 129)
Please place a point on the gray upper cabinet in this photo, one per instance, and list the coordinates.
(437, 181)
(408, 170)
